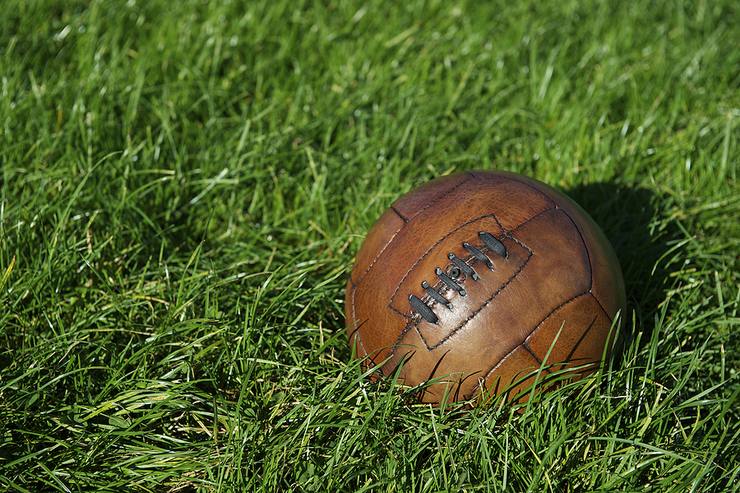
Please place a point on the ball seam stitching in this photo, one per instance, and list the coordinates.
(393, 237)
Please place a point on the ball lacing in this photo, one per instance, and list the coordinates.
(458, 269)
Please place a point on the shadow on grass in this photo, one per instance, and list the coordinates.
(630, 216)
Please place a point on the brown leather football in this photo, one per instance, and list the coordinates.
(475, 279)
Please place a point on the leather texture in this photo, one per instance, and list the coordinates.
(482, 322)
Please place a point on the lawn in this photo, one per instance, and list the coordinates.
(184, 186)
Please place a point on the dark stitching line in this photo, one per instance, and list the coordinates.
(398, 213)
(513, 177)
(602, 306)
(425, 254)
(561, 305)
(358, 337)
(533, 355)
(401, 335)
(404, 315)
(580, 339)
(585, 247)
(566, 302)
(357, 328)
(580, 234)
(507, 233)
(447, 192)
(483, 382)
(424, 339)
(444, 288)
(355, 334)
(494, 367)
(553, 204)
(519, 377)
(382, 250)
(590, 275)
(385, 247)
(590, 265)
(533, 218)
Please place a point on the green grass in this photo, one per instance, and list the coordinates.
(184, 186)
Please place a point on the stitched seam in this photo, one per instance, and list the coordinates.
(385, 247)
(566, 302)
(421, 334)
(591, 282)
(536, 358)
(602, 307)
(356, 333)
(398, 213)
(580, 339)
(495, 367)
(553, 204)
(527, 221)
(439, 197)
(443, 288)
(508, 234)
(556, 207)
(585, 248)
(513, 177)
(590, 265)
(498, 291)
(415, 325)
(399, 312)
(356, 337)
(380, 253)
(401, 335)
(551, 312)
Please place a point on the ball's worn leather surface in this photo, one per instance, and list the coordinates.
(477, 278)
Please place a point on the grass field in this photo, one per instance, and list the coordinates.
(184, 186)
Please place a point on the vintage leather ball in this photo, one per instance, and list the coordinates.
(472, 279)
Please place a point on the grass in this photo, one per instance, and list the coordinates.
(184, 187)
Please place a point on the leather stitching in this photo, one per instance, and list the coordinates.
(398, 213)
(580, 339)
(566, 302)
(390, 240)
